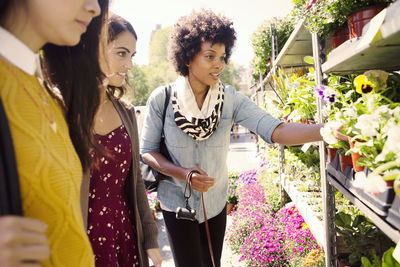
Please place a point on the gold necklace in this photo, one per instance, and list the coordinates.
(50, 116)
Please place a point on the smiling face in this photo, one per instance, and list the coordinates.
(207, 65)
(118, 58)
(60, 22)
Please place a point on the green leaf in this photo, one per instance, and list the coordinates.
(365, 261)
(309, 60)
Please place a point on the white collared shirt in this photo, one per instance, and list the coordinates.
(17, 53)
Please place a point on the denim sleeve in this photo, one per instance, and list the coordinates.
(152, 126)
(249, 115)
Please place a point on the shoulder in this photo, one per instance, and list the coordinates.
(157, 97)
(229, 90)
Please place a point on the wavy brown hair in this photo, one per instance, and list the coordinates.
(75, 71)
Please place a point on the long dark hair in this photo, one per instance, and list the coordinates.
(116, 26)
(75, 71)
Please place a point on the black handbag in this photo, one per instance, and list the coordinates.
(150, 176)
(10, 197)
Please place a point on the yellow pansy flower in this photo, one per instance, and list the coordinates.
(363, 85)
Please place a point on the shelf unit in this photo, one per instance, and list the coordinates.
(368, 53)
(359, 55)
(379, 48)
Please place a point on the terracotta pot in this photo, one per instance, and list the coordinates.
(355, 157)
(229, 208)
(344, 162)
(331, 153)
(357, 20)
(340, 36)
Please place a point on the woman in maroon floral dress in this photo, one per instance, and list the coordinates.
(120, 225)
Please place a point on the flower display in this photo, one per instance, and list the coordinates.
(315, 258)
(247, 177)
(265, 238)
(298, 237)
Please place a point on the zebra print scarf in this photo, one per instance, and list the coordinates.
(199, 128)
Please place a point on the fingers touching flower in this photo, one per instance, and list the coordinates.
(327, 132)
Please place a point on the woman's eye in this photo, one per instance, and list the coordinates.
(121, 54)
(210, 57)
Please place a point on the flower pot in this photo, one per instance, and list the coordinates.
(340, 36)
(229, 208)
(331, 153)
(357, 20)
(355, 157)
(344, 162)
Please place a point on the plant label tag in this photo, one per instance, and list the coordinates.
(306, 146)
(396, 252)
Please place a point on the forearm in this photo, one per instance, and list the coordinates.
(296, 133)
(161, 164)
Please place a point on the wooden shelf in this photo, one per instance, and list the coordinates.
(378, 48)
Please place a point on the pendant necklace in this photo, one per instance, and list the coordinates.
(50, 116)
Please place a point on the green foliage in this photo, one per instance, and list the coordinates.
(270, 182)
(232, 75)
(158, 46)
(232, 187)
(360, 235)
(387, 260)
(326, 16)
(261, 41)
(309, 158)
(138, 81)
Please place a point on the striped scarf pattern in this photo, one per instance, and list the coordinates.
(200, 129)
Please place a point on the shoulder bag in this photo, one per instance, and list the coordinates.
(150, 176)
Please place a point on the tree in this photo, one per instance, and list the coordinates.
(158, 46)
(138, 81)
(232, 75)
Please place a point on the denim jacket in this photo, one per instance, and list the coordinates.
(210, 155)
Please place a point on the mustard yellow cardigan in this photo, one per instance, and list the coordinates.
(49, 169)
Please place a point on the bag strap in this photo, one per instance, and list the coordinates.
(189, 182)
(9, 181)
(167, 96)
(207, 231)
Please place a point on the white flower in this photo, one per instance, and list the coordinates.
(360, 179)
(392, 143)
(368, 124)
(373, 184)
(327, 132)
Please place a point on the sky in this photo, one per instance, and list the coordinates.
(247, 16)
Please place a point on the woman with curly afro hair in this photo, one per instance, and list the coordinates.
(199, 116)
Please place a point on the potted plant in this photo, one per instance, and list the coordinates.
(332, 17)
(232, 198)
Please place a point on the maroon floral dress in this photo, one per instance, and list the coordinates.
(110, 227)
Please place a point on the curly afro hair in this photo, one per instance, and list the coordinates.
(192, 30)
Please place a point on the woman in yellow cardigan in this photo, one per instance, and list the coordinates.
(49, 170)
